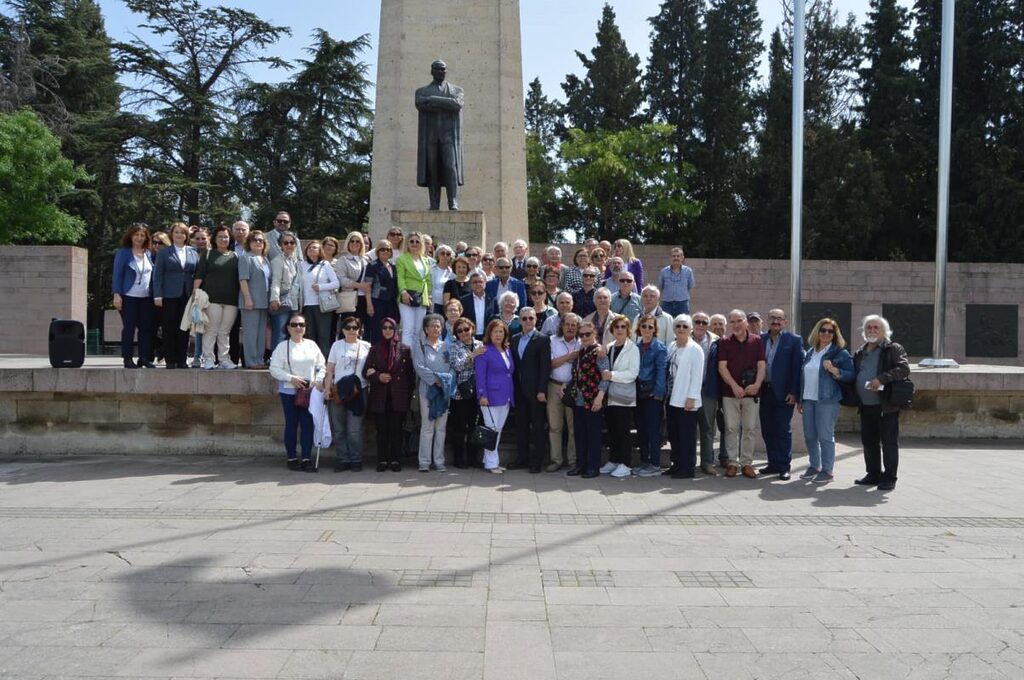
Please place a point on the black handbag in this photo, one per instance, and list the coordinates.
(569, 395)
(484, 437)
(415, 298)
(849, 392)
(901, 393)
(466, 389)
(748, 377)
(645, 389)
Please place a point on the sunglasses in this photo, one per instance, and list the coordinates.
(472, 254)
(394, 233)
(464, 329)
(682, 326)
(387, 327)
(625, 280)
(500, 266)
(589, 276)
(532, 266)
(538, 292)
(414, 243)
(296, 325)
(700, 323)
(350, 328)
(258, 240)
(586, 334)
(647, 326)
(830, 331)
(287, 243)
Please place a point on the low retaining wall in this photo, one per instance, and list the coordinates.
(106, 410)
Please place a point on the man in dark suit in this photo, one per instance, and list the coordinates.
(477, 306)
(519, 255)
(504, 282)
(784, 352)
(531, 359)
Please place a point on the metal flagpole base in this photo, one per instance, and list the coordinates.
(938, 363)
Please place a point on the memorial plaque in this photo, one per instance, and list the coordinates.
(913, 326)
(812, 312)
(992, 331)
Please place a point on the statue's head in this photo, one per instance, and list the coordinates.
(438, 69)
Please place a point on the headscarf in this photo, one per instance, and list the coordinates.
(388, 350)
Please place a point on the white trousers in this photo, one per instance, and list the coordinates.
(411, 319)
(222, 318)
(494, 418)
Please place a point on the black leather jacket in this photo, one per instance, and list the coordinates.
(892, 366)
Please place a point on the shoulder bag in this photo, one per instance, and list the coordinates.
(901, 393)
(302, 394)
(483, 436)
(327, 299)
(347, 299)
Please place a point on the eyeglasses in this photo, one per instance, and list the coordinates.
(647, 326)
(829, 331)
(532, 266)
(700, 322)
(350, 328)
(296, 325)
(586, 334)
(589, 276)
(258, 240)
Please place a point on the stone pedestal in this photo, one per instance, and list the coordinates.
(480, 41)
(444, 226)
(41, 283)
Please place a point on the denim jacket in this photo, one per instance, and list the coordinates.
(654, 366)
(828, 387)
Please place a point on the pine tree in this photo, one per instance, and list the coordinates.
(609, 96)
(732, 53)
(544, 175)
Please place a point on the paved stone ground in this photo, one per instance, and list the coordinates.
(236, 568)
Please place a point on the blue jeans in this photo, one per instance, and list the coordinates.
(649, 413)
(587, 426)
(347, 431)
(820, 433)
(278, 322)
(676, 308)
(293, 418)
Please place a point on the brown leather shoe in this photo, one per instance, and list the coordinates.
(731, 470)
(749, 471)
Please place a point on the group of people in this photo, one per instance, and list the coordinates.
(579, 355)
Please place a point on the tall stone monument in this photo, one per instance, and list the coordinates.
(480, 42)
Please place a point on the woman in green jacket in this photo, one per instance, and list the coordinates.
(413, 288)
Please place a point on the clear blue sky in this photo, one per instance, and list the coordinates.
(552, 29)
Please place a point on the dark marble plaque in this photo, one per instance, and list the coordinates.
(992, 331)
(913, 326)
(812, 312)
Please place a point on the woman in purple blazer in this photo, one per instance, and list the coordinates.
(493, 371)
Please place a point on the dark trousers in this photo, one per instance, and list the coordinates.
(294, 418)
(649, 413)
(682, 426)
(531, 431)
(382, 309)
(389, 434)
(175, 339)
(137, 315)
(441, 172)
(462, 418)
(723, 451)
(776, 417)
(676, 308)
(880, 434)
(587, 426)
(235, 351)
(620, 442)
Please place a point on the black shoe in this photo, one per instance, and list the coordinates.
(682, 475)
(574, 472)
(356, 467)
(590, 474)
(382, 466)
(767, 470)
(308, 466)
(669, 472)
(867, 480)
(342, 467)
(294, 464)
(784, 476)
(534, 470)
(887, 485)
(146, 364)
(128, 363)
(396, 466)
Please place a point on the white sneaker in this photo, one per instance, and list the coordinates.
(208, 367)
(621, 471)
(608, 467)
(228, 365)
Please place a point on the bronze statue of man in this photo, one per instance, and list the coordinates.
(439, 148)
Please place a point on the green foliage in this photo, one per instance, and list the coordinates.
(545, 178)
(624, 183)
(609, 97)
(34, 175)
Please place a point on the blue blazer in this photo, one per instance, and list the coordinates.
(514, 285)
(786, 368)
(712, 387)
(170, 279)
(124, 275)
(493, 377)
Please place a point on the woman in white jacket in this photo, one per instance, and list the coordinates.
(297, 364)
(686, 374)
(624, 358)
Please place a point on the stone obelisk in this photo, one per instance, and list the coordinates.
(480, 41)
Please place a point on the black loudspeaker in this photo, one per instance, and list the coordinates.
(67, 343)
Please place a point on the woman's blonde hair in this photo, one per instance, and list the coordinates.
(837, 338)
(355, 235)
(627, 250)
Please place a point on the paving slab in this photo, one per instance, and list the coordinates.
(220, 568)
